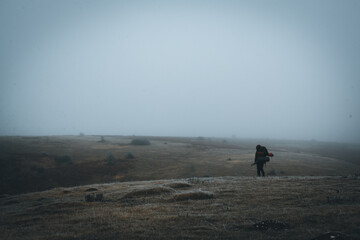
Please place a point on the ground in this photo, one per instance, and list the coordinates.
(176, 188)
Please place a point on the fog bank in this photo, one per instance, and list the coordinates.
(252, 69)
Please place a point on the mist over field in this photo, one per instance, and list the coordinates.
(250, 69)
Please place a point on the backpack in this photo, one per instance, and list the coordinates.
(261, 155)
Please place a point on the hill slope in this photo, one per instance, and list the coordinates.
(191, 208)
(31, 164)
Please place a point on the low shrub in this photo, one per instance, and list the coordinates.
(102, 139)
(110, 157)
(130, 156)
(140, 141)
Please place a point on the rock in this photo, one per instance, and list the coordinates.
(94, 197)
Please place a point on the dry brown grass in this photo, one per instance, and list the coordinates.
(147, 192)
(239, 203)
(193, 195)
(28, 163)
(214, 207)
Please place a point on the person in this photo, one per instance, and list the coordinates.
(261, 157)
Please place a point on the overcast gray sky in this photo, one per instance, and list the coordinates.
(259, 69)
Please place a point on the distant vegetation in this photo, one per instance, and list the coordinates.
(102, 139)
(110, 159)
(140, 141)
(130, 156)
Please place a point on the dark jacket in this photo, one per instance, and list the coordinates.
(261, 154)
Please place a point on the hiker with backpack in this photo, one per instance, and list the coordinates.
(261, 158)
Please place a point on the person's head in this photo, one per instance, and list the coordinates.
(258, 147)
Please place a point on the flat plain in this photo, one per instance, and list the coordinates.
(80, 187)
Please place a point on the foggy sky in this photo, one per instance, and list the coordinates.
(255, 69)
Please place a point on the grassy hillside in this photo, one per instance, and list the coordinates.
(192, 208)
(39, 163)
(176, 188)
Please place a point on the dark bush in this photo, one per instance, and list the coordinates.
(140, 141)
(64, 159)
(110, 159)
(130, 156)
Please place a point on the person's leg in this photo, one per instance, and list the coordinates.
(262, 171)
(258, 170)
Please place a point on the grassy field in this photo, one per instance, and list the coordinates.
(193, 208)
(176, 188)
(39, 163)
